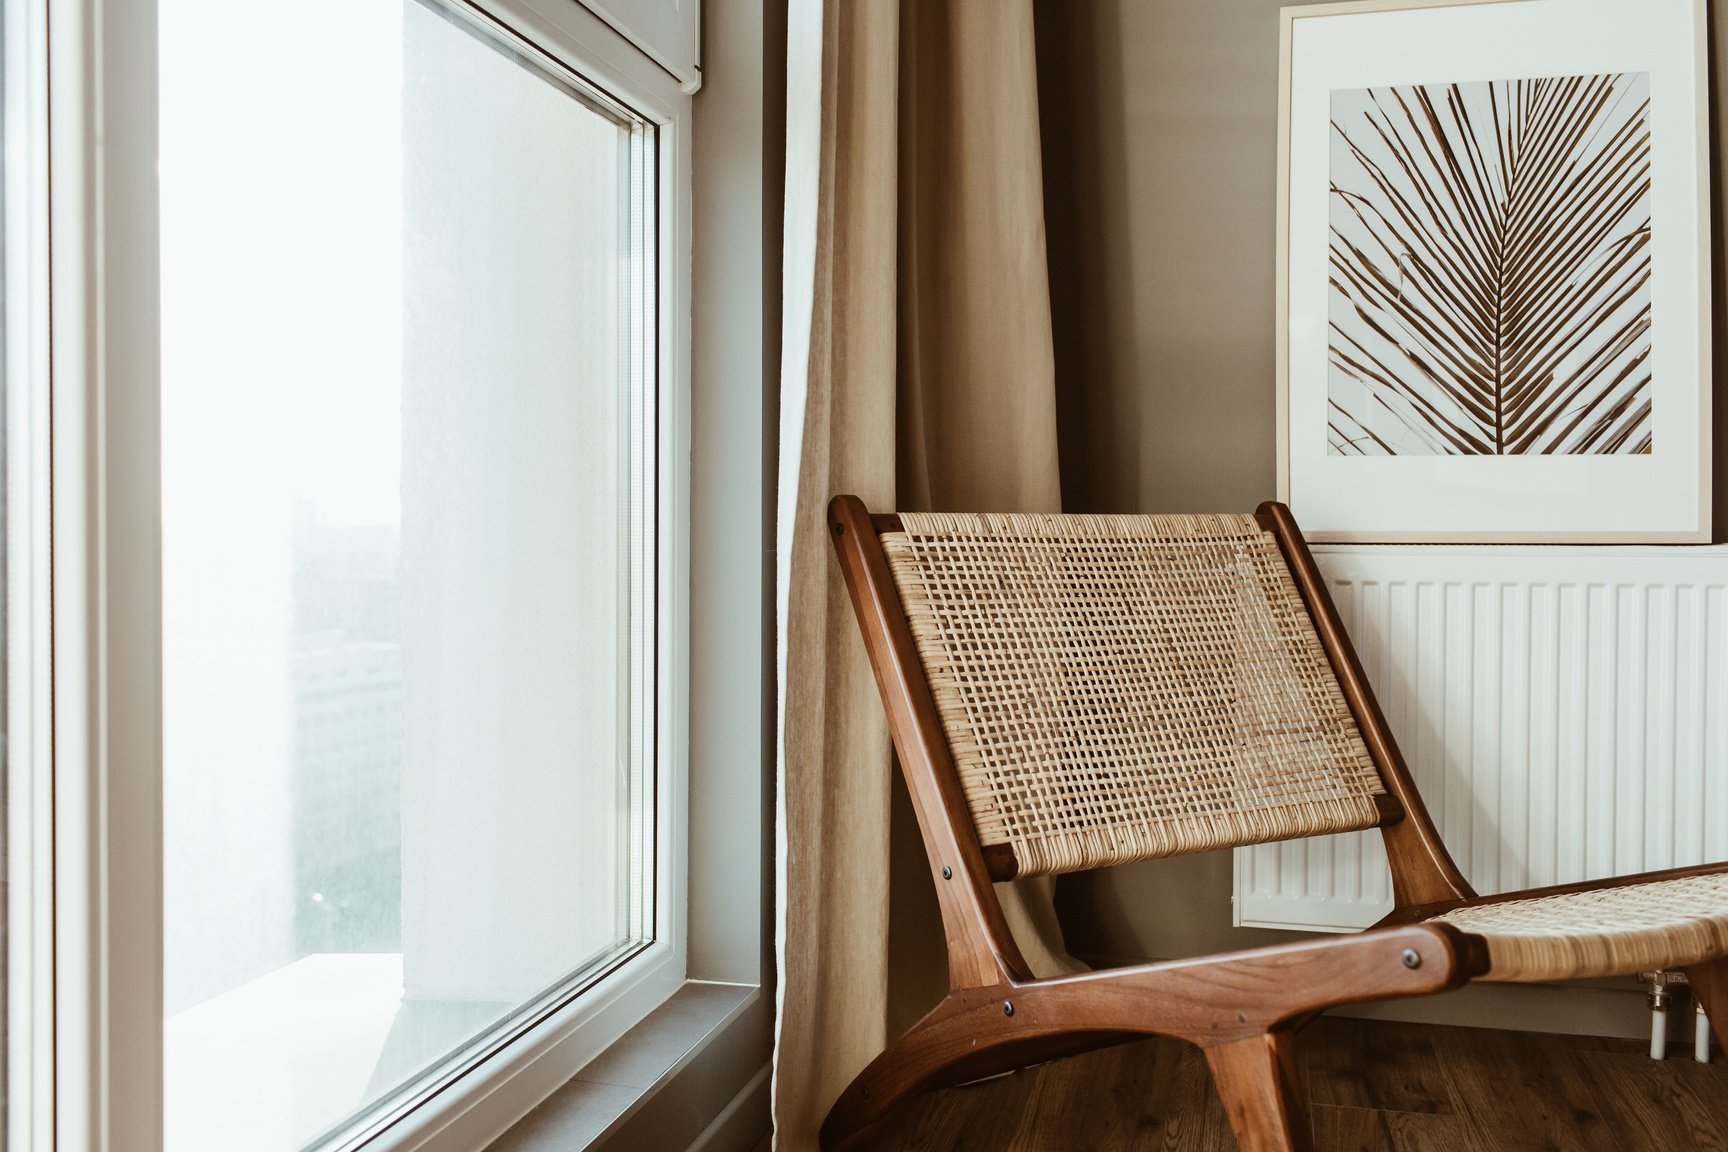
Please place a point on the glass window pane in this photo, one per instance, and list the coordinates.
(407, 385)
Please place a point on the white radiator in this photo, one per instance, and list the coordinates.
(1564, 711)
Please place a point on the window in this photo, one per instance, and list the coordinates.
(109, 693)
(414, 772)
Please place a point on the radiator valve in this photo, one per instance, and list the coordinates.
(1660, 982)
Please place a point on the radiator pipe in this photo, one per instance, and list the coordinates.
(1658, 1020)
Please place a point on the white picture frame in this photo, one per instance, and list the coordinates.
(1493, 271)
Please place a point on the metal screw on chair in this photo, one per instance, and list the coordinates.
(1007, 1007)
(947, 872)
(1412, 959)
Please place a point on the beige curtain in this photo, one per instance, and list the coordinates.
(917, 374)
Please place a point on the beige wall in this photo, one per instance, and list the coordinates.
(1160, 133)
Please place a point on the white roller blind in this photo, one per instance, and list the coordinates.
(667, 30)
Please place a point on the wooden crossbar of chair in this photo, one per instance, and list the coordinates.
(1317, 756)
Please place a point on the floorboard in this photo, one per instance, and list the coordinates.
(1665, 1104)
(1373, 1086)
(1524, 1091)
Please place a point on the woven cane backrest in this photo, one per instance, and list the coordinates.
(1119, 688)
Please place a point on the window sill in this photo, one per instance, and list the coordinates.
(692, 1075)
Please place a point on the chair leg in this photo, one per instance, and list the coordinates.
(1710, 988)
(1262, 1094)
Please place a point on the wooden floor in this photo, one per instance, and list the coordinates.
(1372, 1086)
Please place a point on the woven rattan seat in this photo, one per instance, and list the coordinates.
(1072, 692)
(1602, 932)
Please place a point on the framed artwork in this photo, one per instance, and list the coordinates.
(1493, 271)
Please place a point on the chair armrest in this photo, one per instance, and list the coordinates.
(1214, 998)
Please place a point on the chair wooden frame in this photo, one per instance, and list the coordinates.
(1242, 1009)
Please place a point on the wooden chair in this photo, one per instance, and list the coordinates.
(1071, 692)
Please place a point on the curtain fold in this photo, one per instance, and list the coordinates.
(918, 374)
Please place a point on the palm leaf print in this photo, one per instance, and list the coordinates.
(1490, 268)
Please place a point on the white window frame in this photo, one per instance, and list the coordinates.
(106, 581)
(28, 764)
